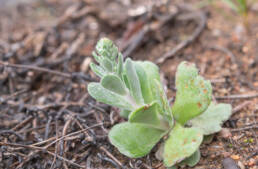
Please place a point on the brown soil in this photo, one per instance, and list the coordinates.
(42, 104)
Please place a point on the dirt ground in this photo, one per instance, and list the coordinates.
(47, 118)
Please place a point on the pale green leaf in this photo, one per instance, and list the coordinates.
(156, 88)
(97, 70)
(120, 65)
(148, 115)
(113, 83)
(98, 92)
(193, 93)
(151, 69)
(134, 82)
(211, 120)
(107, 64)
(145, 85)
(163, 102)
(133, 139)
(192, 160)
(152, 72)
(182, 143)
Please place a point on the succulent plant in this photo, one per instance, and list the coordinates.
(136, 89)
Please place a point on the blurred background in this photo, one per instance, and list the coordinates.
(45, 51)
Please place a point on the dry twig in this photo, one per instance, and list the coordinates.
(243, 96)
(185, 43)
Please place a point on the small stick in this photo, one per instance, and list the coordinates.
(185, 43)
(40, 69)
(111, 156)
(245, 128)
(241, 106)
(63, 143)
(54, 72)
(243, 96)
(74, 133)
(102, 157)
(41, 149)
(23, 123)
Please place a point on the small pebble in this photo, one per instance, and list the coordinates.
(235, 157)
(229, 163)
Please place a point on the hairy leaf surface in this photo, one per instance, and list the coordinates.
(145, 85)
(97, 91)
(97, 70)
(134, 83)
(133, 139)
(182, 143)
(147, 114)
(113, 83)
(211, 120)
(193, 93)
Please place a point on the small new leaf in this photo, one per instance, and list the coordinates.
(211, 120)
(134, 83)
(107, 49)
(107, 64)
(113, 83)
(163, 102)
(134, 139)
(97, 70)
(145, 86)
(182, 143)
(193, 93)
(120, 66)
(98, 92)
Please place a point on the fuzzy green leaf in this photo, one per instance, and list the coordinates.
(107, 64)
(97, 70)
(145, 86)
(192, 160)
(133, 139)
(152, 72)
(193, 93)
(148, 115)
(113, 83)
(107, 49)
(163, 102)
(134, 82)
(211, 120)
(120, 65)
(182, 143)
(98, 92)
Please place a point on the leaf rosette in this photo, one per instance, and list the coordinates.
(136, 89)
